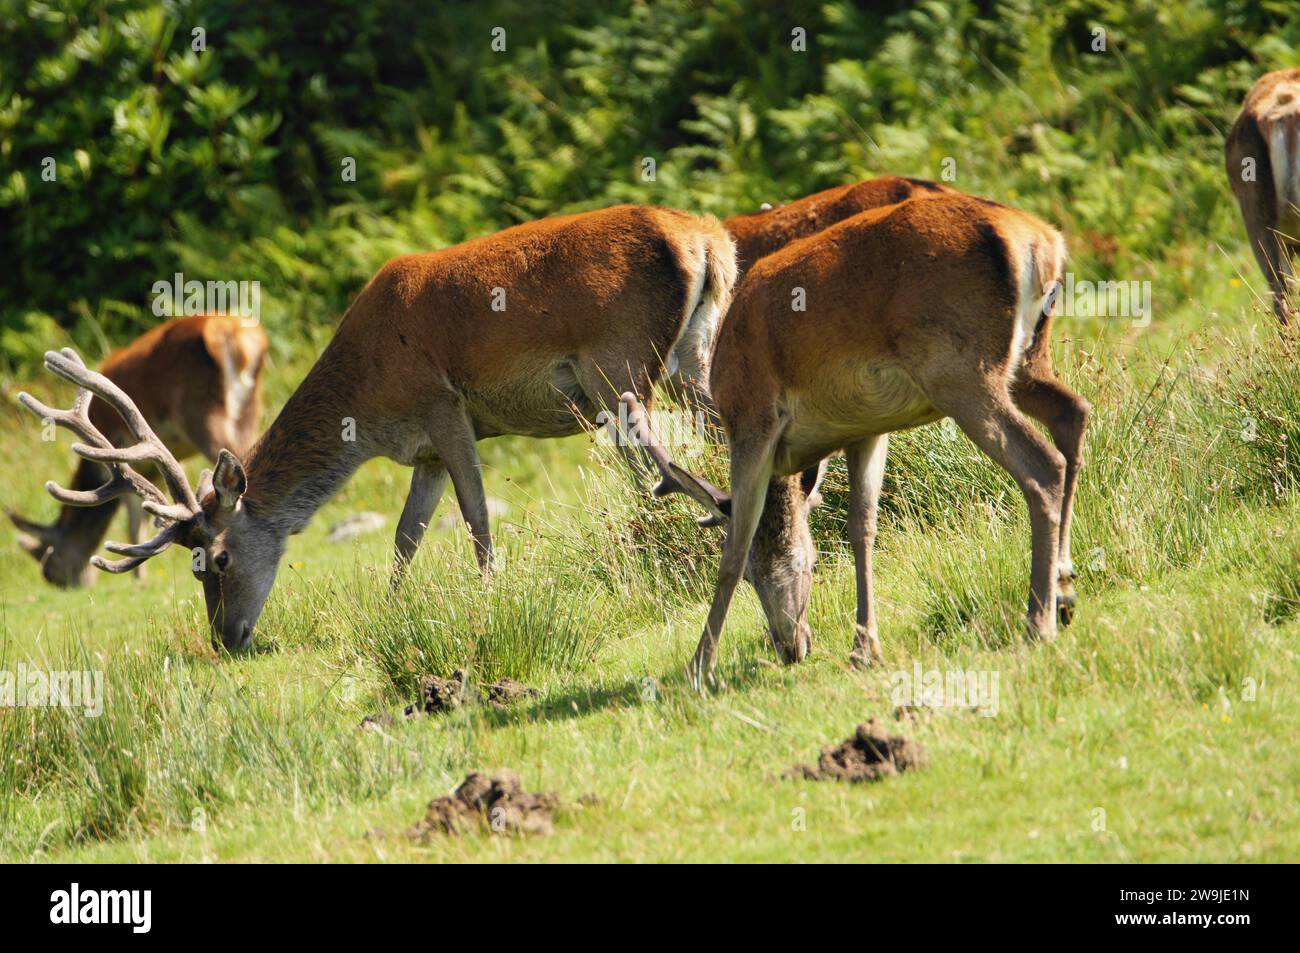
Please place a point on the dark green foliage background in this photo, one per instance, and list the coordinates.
(225, 164)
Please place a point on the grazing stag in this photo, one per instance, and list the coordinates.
(761, 233)
(199, 380)
(507, 334)
(1263, 160)
(917, 311)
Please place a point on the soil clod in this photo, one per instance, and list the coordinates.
(870, 754)
(439, 695)
(495, 801)
(506, 690)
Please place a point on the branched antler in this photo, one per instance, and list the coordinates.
(674, 479)
(124, 477)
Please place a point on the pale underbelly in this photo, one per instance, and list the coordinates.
(871, 402)
(547, 403)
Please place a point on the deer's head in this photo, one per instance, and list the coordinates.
(233, 553)
(782, 554)
(64, 547)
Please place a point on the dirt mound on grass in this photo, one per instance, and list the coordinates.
(438, 695)
(870, 754)
(496, 801)
(506, 690)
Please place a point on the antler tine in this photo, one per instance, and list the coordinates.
(674, 479)
(152, 547)
(77, 419)
(119, 566)
(68, 365)
(117, 485)
(638, 428)
(124, 480)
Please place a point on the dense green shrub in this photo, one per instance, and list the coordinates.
(227, 162)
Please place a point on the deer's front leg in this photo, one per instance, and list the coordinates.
(866, 461)
(751, 471)
(427, 484)
(457, 447)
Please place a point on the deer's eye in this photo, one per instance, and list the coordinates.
(221, 560)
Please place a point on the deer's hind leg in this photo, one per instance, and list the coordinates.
(1065, 414)
(983, 408)
(1274, 258)
(866, 460)
(135, 528)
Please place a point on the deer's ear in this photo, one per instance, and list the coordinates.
(228, 480)
(811, 482)
(39, 535)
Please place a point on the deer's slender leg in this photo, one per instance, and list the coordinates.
(866, 460)
(1002, 432)
(751, 472)
(1065, 415)
(428, 481)
(1273, 262)
(456, 446)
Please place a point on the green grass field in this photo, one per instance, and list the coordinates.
(1159, 727)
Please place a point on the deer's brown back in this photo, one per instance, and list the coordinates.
(494, 315)
(180, 385)
(888, 294)
(761, 233)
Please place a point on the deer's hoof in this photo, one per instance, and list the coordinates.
(866, 649)
(700, 674)
(861, 660)
(1065, 608)
(1065, 600)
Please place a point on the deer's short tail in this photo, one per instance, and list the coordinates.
(1284, 157)
(710, 266)
(1042, 274)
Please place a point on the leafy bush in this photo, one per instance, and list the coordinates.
(226, 161)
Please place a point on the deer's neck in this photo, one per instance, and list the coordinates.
(314, 446)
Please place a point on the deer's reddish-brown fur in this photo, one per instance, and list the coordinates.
(1263, 164)
(198, 379)
(759, 234)
(930, 308)
(527, 331)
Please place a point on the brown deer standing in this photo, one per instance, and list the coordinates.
(917, 311)
(758, 234)
(1263, 162)
(507, 334)
(199, 379)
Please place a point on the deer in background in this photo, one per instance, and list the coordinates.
(507, 334)
(199, 379)
(1263, 162)
(916, 311)
(761, 233)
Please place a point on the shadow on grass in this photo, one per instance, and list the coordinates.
(734, 677)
